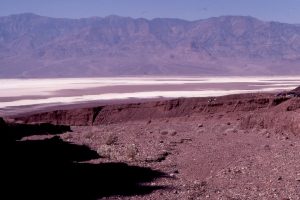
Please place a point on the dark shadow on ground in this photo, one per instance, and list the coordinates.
(50, 169)
(18, 131)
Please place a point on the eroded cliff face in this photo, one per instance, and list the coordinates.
(281, 117)
(261, 111)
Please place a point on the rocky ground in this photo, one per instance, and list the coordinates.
(232, 147)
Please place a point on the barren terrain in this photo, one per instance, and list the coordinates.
(231, 147)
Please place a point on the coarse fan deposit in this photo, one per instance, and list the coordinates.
(231, 147)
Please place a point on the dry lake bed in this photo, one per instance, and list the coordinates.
(26, 95)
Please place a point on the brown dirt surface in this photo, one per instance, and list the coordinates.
(232, 147)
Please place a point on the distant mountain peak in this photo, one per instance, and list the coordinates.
(118, 17)
(37, 46)
(114, 17)
(27, 15)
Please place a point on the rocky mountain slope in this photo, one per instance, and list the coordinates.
(37, 46)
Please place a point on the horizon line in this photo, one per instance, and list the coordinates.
(148, 19)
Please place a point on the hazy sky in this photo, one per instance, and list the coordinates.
(271, 10)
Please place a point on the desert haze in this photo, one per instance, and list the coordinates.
(37, 46)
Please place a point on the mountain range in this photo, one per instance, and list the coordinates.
(38, 46)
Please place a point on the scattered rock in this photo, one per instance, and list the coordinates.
(89, 135)
(132, 151)
(111, 140)
(173, 133)
(164, 132)
(159, 157)
(185, 140)
(267, 147)
(203, 183)
(104, 151)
